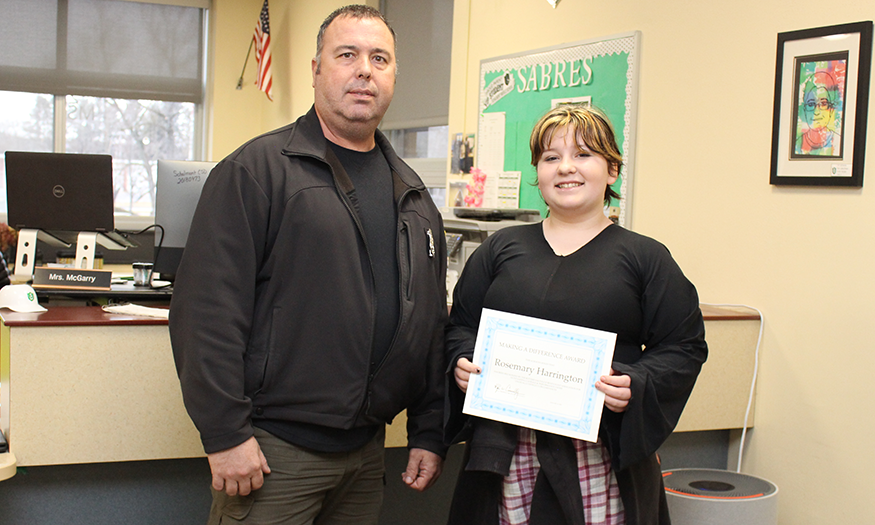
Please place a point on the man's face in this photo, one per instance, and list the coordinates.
(355, 79)
(819, 111)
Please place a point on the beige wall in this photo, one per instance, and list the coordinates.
(801, 255)
(236, 116)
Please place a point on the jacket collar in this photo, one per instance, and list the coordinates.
(306, 138)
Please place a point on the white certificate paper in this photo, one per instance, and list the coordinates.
(539, 374)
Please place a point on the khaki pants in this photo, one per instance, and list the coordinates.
(309, 488)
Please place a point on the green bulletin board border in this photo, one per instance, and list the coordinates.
(534, 67)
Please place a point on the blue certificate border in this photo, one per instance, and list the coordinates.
(582, 424)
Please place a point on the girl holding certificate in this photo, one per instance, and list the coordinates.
(576, 267)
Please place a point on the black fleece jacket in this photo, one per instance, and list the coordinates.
(273, 308)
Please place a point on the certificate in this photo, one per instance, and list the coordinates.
(539, 374)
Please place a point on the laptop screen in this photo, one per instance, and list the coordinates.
(59, 191)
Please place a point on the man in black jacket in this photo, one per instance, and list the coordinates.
(293, 322)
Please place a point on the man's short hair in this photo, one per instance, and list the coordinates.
(356, 11)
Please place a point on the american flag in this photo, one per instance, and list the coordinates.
(262, 52)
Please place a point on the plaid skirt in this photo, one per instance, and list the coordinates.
(598, 484)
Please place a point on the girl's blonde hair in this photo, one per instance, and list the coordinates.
(589, 125)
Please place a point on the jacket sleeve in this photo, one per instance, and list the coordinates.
(424, 417)
(213, 299)
(673, 336)
(461, 335)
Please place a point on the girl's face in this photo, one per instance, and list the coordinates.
(573, 179)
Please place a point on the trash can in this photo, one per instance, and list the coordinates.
(719, 497)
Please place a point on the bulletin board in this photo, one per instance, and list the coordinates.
(516, 90)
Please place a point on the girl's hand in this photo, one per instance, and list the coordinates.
(463, 371)
(617, 390)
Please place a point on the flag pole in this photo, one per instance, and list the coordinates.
(240, 80)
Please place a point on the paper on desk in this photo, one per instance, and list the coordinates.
(136, 309)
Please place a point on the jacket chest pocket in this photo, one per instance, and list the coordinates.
(417, 255)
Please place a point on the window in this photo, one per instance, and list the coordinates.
(424, 31)
(425, 150)
(136, 133)
(21, 129)
(420, 143)
(416, 122)
(103, 76)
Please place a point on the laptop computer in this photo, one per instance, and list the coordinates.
(61, 192)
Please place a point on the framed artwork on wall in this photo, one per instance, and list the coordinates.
(821, 106)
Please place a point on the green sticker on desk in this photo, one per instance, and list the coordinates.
(71, 278)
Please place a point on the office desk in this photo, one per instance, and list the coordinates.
(78, 385)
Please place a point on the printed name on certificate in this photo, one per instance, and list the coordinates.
(539, 374)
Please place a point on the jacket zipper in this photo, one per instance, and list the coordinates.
(372, 373)
(355, 218)
(401, 228)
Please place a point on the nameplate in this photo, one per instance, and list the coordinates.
(71, 278)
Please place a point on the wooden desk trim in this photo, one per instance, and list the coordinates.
(725, 313)
(95, 316)
(74, 316)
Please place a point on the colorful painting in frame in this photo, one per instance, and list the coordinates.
(821, 106)
(818, 124)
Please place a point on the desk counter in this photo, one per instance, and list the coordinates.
(78, 385)
(719, 399)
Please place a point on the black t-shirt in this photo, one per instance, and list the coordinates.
(374, 204)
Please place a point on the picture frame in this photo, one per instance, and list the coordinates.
(821, 106)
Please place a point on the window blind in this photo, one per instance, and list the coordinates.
(104, 48)
(422, 93)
